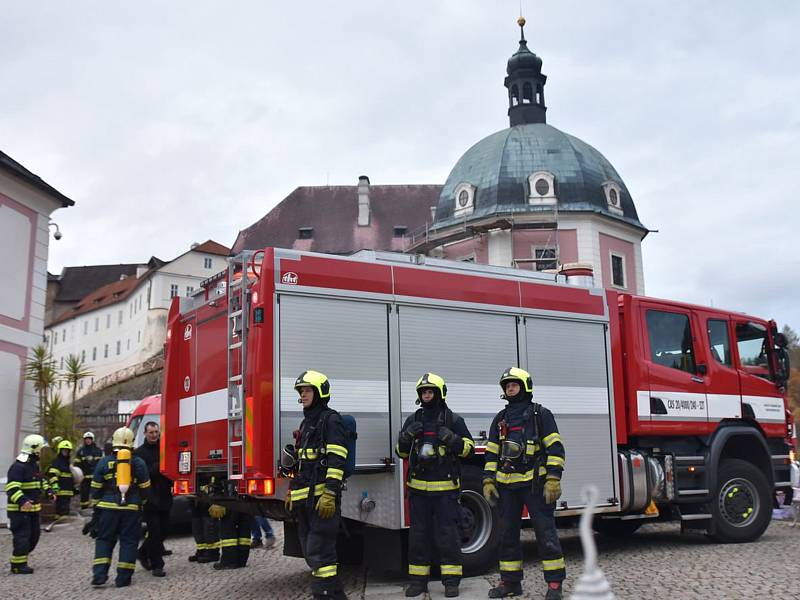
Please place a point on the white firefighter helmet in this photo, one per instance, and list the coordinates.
(77, 474)
(122, 438)
(31, 445)
(89, 435)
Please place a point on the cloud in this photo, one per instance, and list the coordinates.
(170, 124)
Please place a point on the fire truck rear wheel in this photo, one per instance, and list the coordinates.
(741, 506)
(480, 530)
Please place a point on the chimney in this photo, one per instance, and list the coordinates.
(193, 246)
(363, 201)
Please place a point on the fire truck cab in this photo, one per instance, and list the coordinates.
(672, 411)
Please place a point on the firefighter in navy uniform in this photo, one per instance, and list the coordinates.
(234, 536)
(524, 462)
(86, 459)
(61, 479)
(434, 439)
(120, 486)
(314, 497)
(24, 489)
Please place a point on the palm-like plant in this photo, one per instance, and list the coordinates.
(41, 371)
(74, 371)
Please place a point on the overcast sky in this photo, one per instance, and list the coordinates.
(175, 122)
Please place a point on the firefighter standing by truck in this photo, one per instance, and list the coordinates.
(24, 489)
(61, 479)
(524, 462)
(120, 485)
(434, 439)
(314, 498)
(86, 459)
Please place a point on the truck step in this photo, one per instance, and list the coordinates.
(692, 492)
(696, 517)
(235, 378)
(234, 314)
(235, 346)
(236, 444)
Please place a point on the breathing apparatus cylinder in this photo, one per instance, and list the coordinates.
(123, 473)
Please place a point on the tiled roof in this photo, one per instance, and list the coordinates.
(212, 247)
(105, 296)
(77, 282)
(11, 166)
(332, 213)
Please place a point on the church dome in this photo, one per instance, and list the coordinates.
(499, 169)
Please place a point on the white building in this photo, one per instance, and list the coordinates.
(26, 203)
(123, 324)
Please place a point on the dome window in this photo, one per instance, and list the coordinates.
(613, 197)
(465, 199)
(542, 189)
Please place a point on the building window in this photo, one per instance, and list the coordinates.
(62, 363)
(63, 335)
(94, 354)
(119, 347)
(173, 290)
(80, 384)
(119, 318)
(542, 186)
(130, 311)
(55, 338)
(464, 199)
(108, 321)
(140, 302)
(399, 231)
(83, 355)
(85, 327)
(138, 336)
(105, 351)
(207, 263)
(128, 345)
(305, 233)
(545, 258)
(189, 290)
(469, 258)
(613, 194)
(97, 323)
(670, 340)
(617, 270)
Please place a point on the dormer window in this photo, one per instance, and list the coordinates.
(305, 233)
(613, 194)
(542, 186)
(464, 199)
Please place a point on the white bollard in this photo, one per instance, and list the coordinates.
(592, 584)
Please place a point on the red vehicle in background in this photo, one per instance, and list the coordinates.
(149, 410)
(672, 411)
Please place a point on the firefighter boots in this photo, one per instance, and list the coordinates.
(506, 589)
(451, 590)
(99, 580)
(416, 588)
(21, 570)
(553, 591)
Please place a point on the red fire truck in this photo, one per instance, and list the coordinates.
(672, 411)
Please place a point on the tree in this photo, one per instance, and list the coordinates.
(793, 346)
(41, 371)
(75, 370)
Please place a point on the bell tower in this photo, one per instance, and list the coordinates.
(525, 83)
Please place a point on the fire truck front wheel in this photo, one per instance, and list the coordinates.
(480, 525)
(741, 506)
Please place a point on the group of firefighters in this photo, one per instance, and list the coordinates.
(524, 461)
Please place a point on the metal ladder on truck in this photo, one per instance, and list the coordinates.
(238, 290)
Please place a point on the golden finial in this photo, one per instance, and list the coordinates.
(521, 21)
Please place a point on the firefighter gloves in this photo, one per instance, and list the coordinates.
(552, 490)
(449, 439)
(490, 492)
(215, 511)
(413, 430)
(326, 505)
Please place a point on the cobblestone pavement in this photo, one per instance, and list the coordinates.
(657, 562)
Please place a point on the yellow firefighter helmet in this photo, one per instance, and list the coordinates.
(516, 374)
(316, 380)
(122, 438)
(434, 382)
(64, 445)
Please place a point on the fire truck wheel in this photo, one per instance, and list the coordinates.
(480, 528)
(614, 528)
(741, 506)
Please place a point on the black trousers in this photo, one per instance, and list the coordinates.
(25, 530)
(234, 538)
(152, 547)
(122, 525)
(318, 541)
(435, 519)
(86, 491)
(544, 525)
(62, 504)
(205, 531)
